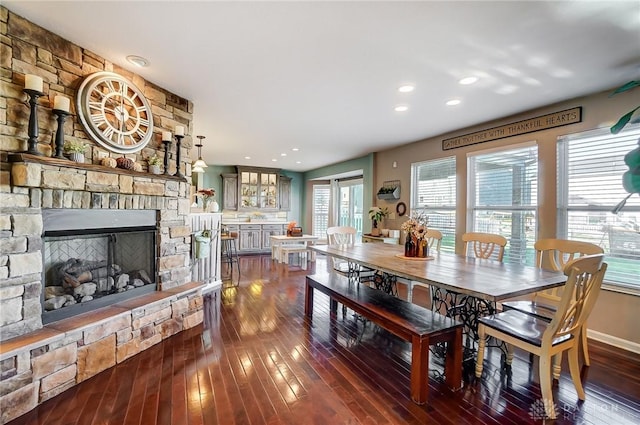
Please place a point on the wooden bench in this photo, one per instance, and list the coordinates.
(418, 325)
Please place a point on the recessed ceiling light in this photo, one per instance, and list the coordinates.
(247, 157)
(295, 149)
(274, 160)
(453, 102)
(468, 80)
(138, 61)
(283, 154)
(401, 108)
(298, 162)
(406, 88)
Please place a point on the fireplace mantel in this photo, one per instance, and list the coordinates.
(35, 159)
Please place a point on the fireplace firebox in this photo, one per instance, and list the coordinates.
(95, 258)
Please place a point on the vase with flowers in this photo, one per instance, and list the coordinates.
(416, 229)
(209, 203)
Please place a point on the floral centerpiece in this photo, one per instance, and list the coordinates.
(207, 195)
(416, 229)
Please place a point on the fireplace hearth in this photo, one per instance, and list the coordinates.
(95, 258)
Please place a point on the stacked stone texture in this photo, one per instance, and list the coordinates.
(53, 361)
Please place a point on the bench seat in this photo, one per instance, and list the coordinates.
(411, 322)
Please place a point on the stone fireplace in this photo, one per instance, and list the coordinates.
(41, 355)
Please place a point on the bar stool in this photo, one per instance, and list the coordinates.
(229, 253)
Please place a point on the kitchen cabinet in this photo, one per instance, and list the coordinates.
(269, 230)
(258, 189)
(285, 193)
(229, 192)
(250, 237)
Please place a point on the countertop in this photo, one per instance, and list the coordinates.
(241, 221)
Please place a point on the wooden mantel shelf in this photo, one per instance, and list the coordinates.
(35, 159)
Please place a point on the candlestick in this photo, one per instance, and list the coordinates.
(179, 130)
(32, 143)
(178, 140)
(167, 146)
(62, 115)
(61, 103)
(166, 136)
(33, 82)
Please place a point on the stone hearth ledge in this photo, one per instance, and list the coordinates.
(44, 363)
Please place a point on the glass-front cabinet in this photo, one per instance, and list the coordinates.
(258, 189)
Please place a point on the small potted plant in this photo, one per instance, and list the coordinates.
(154, 164)
(377, 214)
(75, 150)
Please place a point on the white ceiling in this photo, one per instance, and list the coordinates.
(266, 77)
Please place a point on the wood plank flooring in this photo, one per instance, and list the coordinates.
(257, 361)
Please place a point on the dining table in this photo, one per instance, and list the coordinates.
(462, 287)
(277, 241)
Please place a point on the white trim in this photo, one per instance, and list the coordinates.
(634, 347)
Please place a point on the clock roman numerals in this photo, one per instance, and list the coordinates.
(115, 112)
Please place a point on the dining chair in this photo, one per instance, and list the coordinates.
(346, 235)
(484, 245)
(554, 254)
(434, 239)
(549, 339)
(341, 235)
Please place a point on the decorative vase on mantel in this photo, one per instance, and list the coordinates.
(154, 169)
(76, 156)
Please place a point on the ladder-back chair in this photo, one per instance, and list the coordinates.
(554, 254)
(545, 339)
(484, 245)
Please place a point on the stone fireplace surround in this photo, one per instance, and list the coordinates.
(38, 362)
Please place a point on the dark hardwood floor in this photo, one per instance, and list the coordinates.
(257, 361)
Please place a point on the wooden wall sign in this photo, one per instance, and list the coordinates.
(556, 119)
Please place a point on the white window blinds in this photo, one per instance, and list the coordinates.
(503, 198)
(433, 191)
(590, 168)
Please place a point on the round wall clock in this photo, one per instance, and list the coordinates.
(114, 112)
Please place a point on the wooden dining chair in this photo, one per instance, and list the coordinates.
(554, 254)
(484, 245)
(434, 239)
(548, 340)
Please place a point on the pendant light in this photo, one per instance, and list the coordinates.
(199, 165)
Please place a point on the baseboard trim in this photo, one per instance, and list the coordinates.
(634, 347)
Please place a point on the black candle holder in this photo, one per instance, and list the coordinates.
(62, 116)
(32, 143)
(178, 141)
(167, 147)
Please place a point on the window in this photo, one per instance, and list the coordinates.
(433, 191)
(320, 215)
(590, 168)
(503, 197)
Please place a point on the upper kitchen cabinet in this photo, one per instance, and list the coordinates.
(285, 193)
(258, 189)
(229, 192)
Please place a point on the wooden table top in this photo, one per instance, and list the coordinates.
(487, 279)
